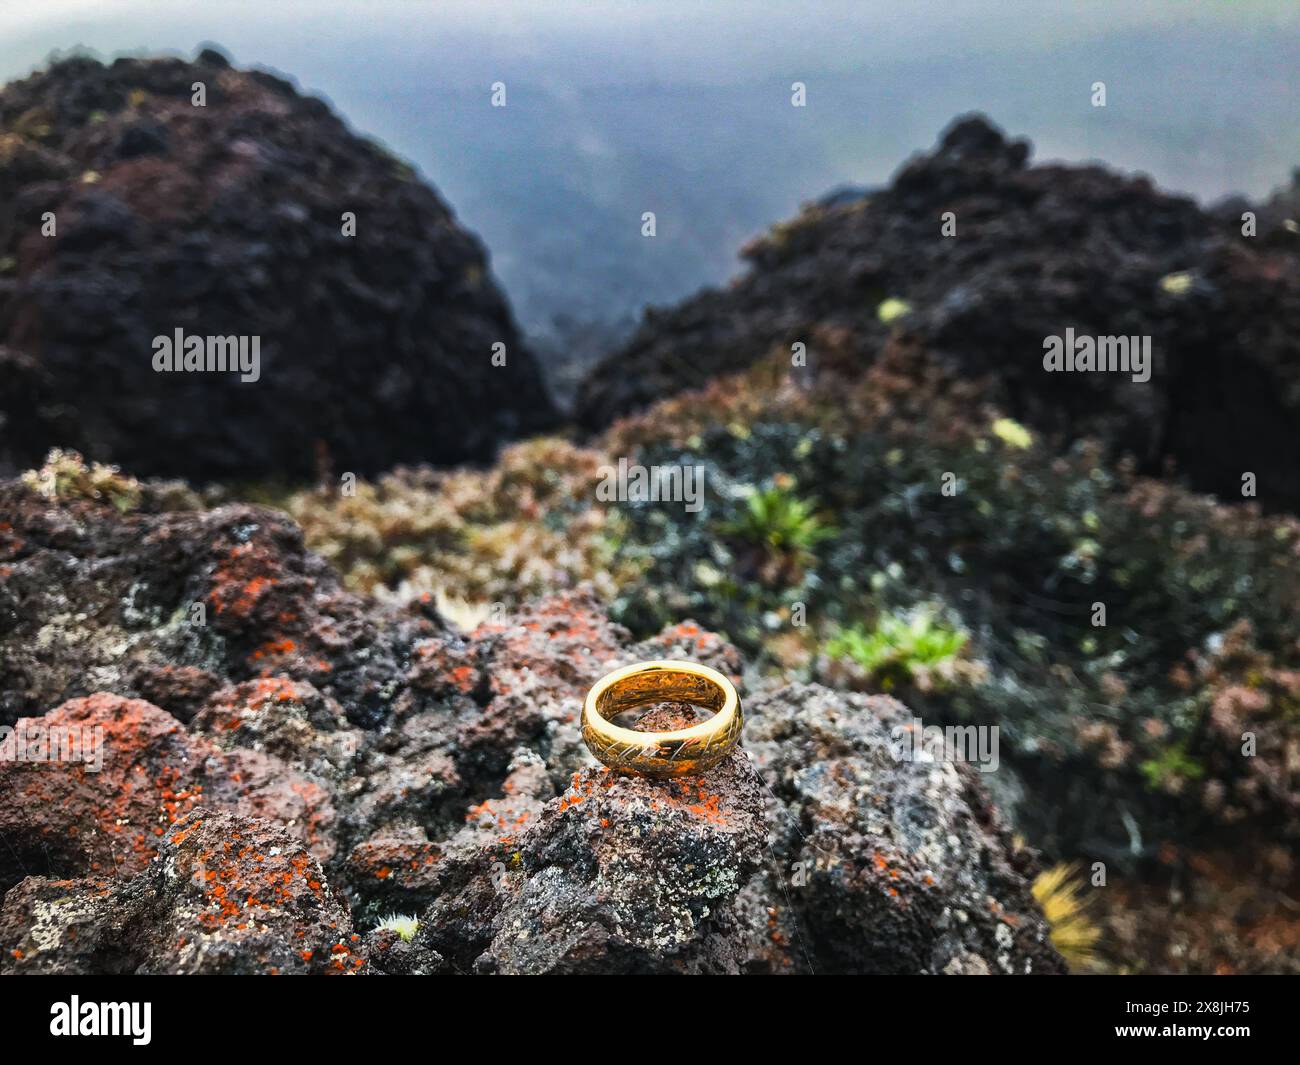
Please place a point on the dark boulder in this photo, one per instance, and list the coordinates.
(139, 773)
(227, 220)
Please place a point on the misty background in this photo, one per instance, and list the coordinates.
(683, 109)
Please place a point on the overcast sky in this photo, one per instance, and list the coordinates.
(694, 41)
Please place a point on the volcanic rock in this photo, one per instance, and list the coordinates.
(1037, 250)
(144, 604)
(347, 762)
(893, 866)
(227, 895)
(227, 220)
(111, 813)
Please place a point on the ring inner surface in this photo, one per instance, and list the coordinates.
(658, 686)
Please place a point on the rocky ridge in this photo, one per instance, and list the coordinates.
(280, 777)
(1035, 251)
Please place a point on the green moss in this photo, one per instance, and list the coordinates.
(1170, 768)
(897, 648)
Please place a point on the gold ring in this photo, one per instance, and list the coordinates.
(662, 754)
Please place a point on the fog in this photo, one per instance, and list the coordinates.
(684, 108)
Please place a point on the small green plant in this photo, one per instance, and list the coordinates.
(1171, 768)
(779, 521)
(403, 924)
(780, 530)
(898, 648)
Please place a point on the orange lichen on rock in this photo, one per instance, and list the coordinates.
(237, 585)
(152, 774)
(273, 648)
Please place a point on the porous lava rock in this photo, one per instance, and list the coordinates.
(112, 812)
(1037, 250)
(151, 604)
(894, 865)
(228, 894)
(618, 874)
(348, 761)
(228, 220)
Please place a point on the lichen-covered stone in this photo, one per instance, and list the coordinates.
(287, 719)
(618, 874)
(887, 865)
(340, 761)
(227, 894)
(73, 818)
(172, 603)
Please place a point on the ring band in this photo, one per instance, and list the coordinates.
(662, 754)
